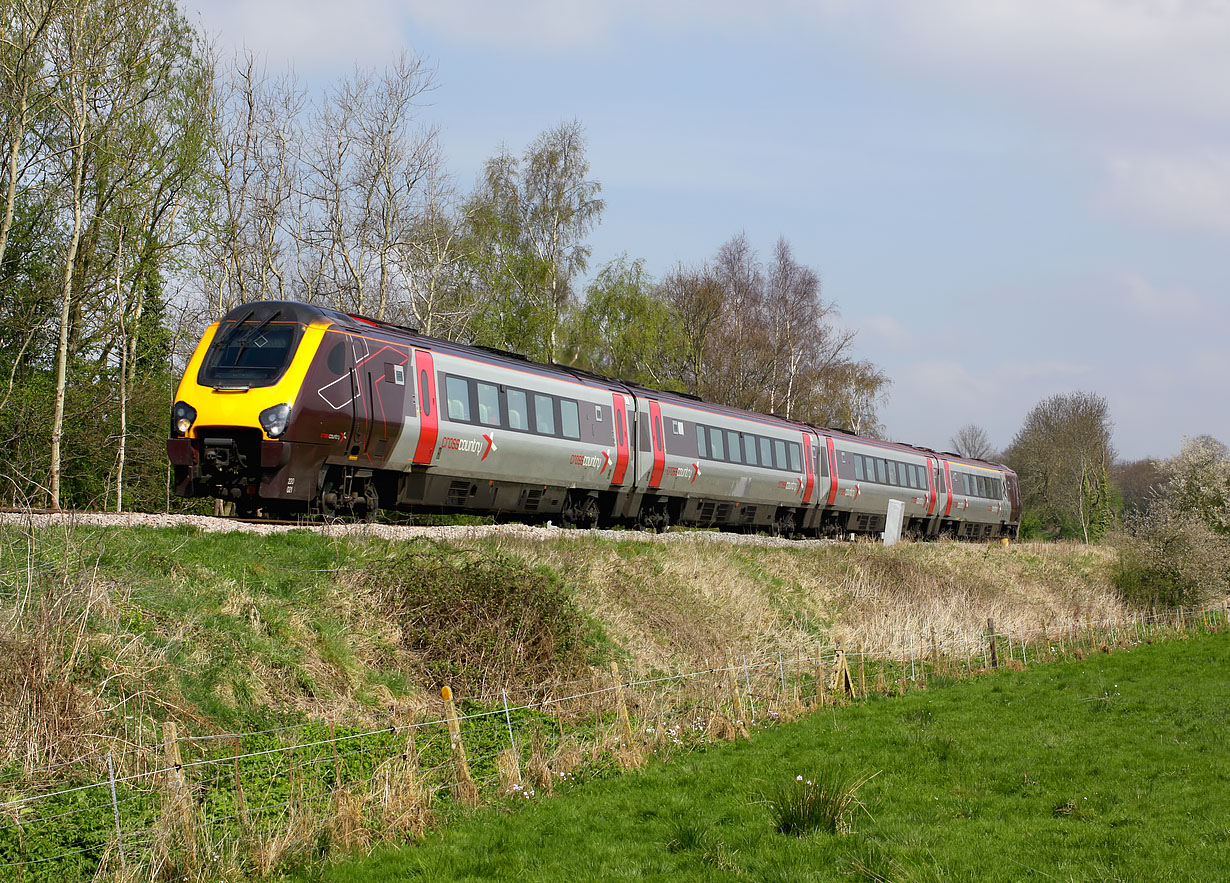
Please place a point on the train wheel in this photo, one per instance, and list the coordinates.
(371, 503)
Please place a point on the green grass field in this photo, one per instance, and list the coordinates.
(1113, 768)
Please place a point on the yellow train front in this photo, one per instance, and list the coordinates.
(234, 432)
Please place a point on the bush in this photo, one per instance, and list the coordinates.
(1171, 558)
(478, 617)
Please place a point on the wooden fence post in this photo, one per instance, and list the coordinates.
(465, 790)
(177, 808)
(842, 682)
(622, 707)
(862, 673)
(736, 697)
(991, 643)
(821, 679)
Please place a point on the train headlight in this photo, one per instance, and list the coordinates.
(274, 420)
(183, 415)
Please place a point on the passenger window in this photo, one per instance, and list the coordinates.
(732, 446)
(749, 450)
(544, 415)
(717, 444)
(619, 425)
(891, 466)
(702, 441)
(822, 461)
(796, 462)
(766, 453)
(858, 468)
(426, 397)
(488, 404)
(569, 419)
(779, 453)
(518, 410)
(881, 475)
(458, 391)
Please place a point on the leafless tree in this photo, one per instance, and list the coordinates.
(971, 441)
(255, 136)
(367, 166)
(1062, 454)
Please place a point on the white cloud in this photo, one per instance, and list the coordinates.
(1185, 191)
(312, 36)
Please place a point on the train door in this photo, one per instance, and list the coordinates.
(932, 483)
(832, 455)
(622, 437)
(382, 378)
(807, 461)
(657, 442)
(946, 484)
(429, 420)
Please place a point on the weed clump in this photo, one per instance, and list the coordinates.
(820, 801)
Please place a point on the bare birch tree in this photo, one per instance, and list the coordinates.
(971, 441)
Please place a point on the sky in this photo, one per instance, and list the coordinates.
(1006, 199)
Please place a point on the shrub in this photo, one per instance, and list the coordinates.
(1171, 558)
(476, 617)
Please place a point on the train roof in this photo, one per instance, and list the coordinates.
(307, 313)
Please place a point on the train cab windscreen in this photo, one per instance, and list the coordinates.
(252, 347)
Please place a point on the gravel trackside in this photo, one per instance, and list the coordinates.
(389, 531)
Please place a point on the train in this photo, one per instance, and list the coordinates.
(289, 409)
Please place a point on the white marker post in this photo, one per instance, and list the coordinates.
(892, 526)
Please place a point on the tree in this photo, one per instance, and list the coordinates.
(527, 223)
(1137, 481)
(1196, 482)
(1062, 455)
(971, 441)
(626, 328)
(367, 164)
(765, 340)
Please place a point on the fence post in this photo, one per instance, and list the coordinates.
(935, 652)
(862, 673)
(622, 707)
(1024, 661)
(179, 802)
(509, 761)
(465, 790)
(841, 674)
(991, 643)
(751, 702)
(241, 805)
(821, 679)
(115, 810)
(781, 670)
(732, 684)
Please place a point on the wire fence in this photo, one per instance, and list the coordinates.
(253, 800)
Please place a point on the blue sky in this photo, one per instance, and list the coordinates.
(1007, 199)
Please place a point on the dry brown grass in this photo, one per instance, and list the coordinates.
(677, 605)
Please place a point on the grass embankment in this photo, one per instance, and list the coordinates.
(109, 635)
(109, 631)
(1113, 768)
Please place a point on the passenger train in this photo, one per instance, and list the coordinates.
(287, 408)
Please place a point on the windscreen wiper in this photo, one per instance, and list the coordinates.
(243, 346)
(235, 331)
